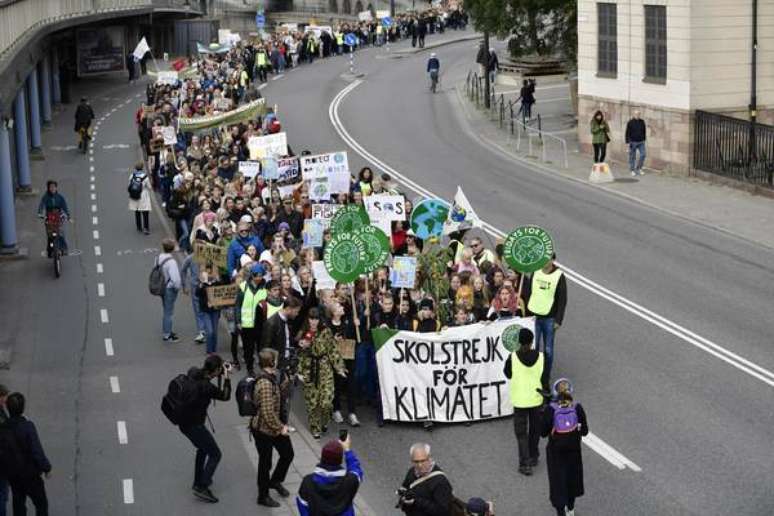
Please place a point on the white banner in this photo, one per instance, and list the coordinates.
(385, 207)
(249, 169)
(325, 212)
(271, 145)
(452, 376)
(322, 165)
(323, 279)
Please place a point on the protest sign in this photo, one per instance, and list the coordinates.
(461, 214)
(249, 169)
(205, 253)
(325, 212)
(383, 13)
(452, 376)
(322, 165)
(338, 182)
(347, 348)
(377, 247)
(348, 218)
(148, 109)
(223, 295)
(286, 191)
(288, 170)
(222, 104)
(528, 248)
(157, 144)
(313, 233)
(344, 257)
(270, 170)
(320, 189)
(364, 16)
(428, 218)
(403, 273)
(323, 280)
(385, 207)
(243, 113)
(166, 77)
(271, 145)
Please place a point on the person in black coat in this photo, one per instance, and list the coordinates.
(427, 490)
(563, 454)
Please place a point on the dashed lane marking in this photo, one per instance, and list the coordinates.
(128, 491)
(95, 234)
(123, 436)
(97, 250)
(100, 269)
(109, 347)
(101, 289)
(94, 208)
(115, 387)
(95, 220)
(103, 315)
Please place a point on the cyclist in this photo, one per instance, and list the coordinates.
(433, 68)
(83, 117)
(53, 202)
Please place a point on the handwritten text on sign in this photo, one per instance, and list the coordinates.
(205, 253)
(224, 295)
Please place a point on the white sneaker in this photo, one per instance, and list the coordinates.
(337, 417)
(569, 512)
(634, 173)
(353, 421)
(200, 337)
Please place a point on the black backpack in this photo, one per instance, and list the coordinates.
(13, 460)
(157, 281)
(180, 399)
(135, 186)
(246, 405)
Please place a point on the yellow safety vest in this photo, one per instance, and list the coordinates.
(525, 381)
(271, 309)
(261, 58)
(339, 39)
(541, 298)
(250, 302)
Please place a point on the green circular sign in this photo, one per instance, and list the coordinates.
(528, 248)
(510, 337)
(377, 247)
(349, 218)
(344, 257)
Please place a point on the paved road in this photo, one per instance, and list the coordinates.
(696, 426)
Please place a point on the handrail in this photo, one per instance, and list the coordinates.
(530, 132)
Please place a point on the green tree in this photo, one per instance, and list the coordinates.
(535, 27)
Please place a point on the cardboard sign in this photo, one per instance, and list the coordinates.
(347, 348)
(288, 170)
(325, 212)
(205, 253)
(403, 273)
(313, 233)
(170, 138)
(323, 279)
(271, 145)
(223, 295)
(323, 165)
(286, 191)
(222, 104)
(364, 16)
(148, 109)
(385, 207)
(156, 145)
(249, 169)
(166, 77)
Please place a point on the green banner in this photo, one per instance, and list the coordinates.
(377, 247)
(343, 257)
(349, 218)
(528, 248)
(241, 114)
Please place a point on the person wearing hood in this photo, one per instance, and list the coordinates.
(239, 246)
(331, 489)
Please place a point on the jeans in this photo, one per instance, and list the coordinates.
(599, 152)
(526, 426)
(264, 444)
(365, 369)
(207, 453)
(544, 330)
(198, 314)
(168, 304)
(32, 488)
(633, 148)
(211, 330)
(184, 232)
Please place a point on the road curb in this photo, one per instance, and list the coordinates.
(413, 51)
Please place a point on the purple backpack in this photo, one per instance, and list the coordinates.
(565, 418)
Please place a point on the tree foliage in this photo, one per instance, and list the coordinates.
(535, 27)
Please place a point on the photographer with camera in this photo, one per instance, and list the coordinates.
(331, 489)
(186, 404)
(268, 429)
(425, 491)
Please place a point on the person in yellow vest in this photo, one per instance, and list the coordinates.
(339, 42)
(272, 303)
(249, 313)
(547, 301)
(261, 64)
(528, 379)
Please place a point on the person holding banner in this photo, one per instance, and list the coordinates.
(547, 302)
(528, 377)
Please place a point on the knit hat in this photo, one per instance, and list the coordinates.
(476, 507)
(283, 226)
(332, 453)
(526, 336)
(258, 269)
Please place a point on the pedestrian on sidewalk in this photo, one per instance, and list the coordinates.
(564, 423)
(600, 136)
(269, 432)
(173, 284)
(30, 460)
(636, 134)
(527, 96)
(527, 374)
(140, 197)
(547, 302)
(426, 490)
(331, 489)
(493, 66)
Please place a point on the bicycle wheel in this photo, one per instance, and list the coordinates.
(57, 256)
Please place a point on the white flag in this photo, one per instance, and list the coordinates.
(141, 49)
(461, 214)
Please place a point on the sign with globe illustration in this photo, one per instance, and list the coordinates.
(349, 218)
(377, 247)
(510, 337)
(428, 218)
(344, 256)
(528, 248)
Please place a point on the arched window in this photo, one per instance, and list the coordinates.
(333, 6)
(346, 7)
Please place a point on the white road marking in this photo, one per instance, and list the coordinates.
(91, 168)
(115, 387)
(95, 234)
(103, 315)
(109, 347)
(123, 437)
(100, 269)
(610, 454)
(97, 250)
(128, 491)
(101, 289)
(95, 220)
(91, 158)
(280, 76)
(94, 208)
(92, 186)
(93, 197)
(116, 146)
(262, 86)
(92, 178)
(91, 151)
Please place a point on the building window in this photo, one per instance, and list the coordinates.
(607, 39)
(655, 43)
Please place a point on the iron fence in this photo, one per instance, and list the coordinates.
(731, 147)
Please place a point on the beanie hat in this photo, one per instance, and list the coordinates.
(526, 336)
(332, 453)
(476, 507)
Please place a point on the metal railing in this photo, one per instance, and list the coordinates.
(722, 146)
(22, 17)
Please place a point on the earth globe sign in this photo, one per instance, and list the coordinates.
(458, 213)
(349, 218)
(376, 245)
(528, 248)
(344, 257)
(510, 337)
(428, 218)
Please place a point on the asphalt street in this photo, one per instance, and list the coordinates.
(696, 426)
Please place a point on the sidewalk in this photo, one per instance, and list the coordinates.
(450, 37)
(732, 211)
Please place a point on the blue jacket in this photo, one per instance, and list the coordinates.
(27, 435)
(333, 489)
(52, 202)
(433, 64)
(239, 247)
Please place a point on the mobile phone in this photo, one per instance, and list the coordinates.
(343, 434)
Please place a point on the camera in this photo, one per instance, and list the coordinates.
(403, 494)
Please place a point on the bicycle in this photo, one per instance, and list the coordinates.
(53, 222)
(83, 139)
(433, 80)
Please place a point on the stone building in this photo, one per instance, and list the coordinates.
(668, 59)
